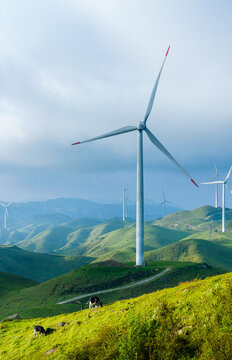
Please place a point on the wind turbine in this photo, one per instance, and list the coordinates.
(124, 203)
(224, 183)
(5, 212)
(140, 128)
(216, 178)
(164, 204)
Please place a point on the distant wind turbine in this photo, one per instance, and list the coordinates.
(163, 204)
(216, 178)
(5, 212)
(124, 200)
(224, 183)
(140, 192)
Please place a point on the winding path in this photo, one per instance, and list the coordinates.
(118, 288)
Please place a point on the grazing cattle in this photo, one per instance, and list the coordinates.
(38, 329)
(94, 301)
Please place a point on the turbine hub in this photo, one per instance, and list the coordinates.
(141, 126)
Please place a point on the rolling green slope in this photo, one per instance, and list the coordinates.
(86, 279)
(10, 282)
(194, 220)
(191, 321)
(195, 250)
(35, 266)
(66, 238)
(42, 299)
(98, 240)
(124, 240)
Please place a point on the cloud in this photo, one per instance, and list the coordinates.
(70, 70)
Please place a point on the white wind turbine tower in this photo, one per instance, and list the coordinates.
(224, 183)
(140, 128)
(124, 203)
(5, 212)
(163, 204)
(216, 178)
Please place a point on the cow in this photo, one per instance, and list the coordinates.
(94, 302)
(38, 329)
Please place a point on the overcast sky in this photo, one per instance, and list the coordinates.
(72, 69)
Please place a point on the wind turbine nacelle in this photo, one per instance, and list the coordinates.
(141, 126)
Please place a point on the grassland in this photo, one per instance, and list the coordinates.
(10, 282)
(41, 300)
(37, 267)
(191, 321)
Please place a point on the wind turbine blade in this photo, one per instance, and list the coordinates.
(151, 101)
(122, 130)
(7, 214)
(170, 202)
(3, 205)
(216, 168)
(164, 196)
(158, 144)
(8, 204)
(212, 182)
(229, 188)
(228, 175)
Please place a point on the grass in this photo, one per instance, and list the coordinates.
(215, 253)
(10, 282)
(35, 266)
(191, 321)
(41, 300)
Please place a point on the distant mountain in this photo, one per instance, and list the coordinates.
(38, 267)
(57, 211)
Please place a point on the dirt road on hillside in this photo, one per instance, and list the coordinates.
(115, 289)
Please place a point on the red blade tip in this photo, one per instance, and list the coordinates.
(194, 182)
(167, 51)
(76, 143)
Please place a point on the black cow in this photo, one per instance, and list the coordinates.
(94, 301)
(38, 329)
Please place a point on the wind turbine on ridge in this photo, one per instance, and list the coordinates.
(224, 183)
(216, 178)
(163, 204)
(5, 212)
(124, 203)
(140, 128)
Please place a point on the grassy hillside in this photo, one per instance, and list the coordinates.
(195, 250)
(76, 238)
(10, 282)
(38, 267)
(42, 299)
(65, 238)
(195, 220)
(124, 240)
(191, 321)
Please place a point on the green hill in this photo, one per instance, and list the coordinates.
(124, 240)
(75, 238)
(64, 238)
(38, 267)
(191, 321)
(42, 299)
(195, 250)
(10, 282)
(195, 220)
